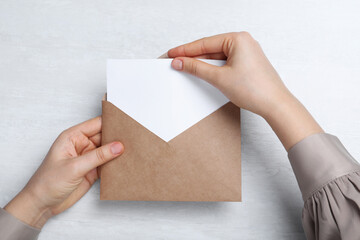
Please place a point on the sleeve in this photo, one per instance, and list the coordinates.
(329, 180)
(12, 228)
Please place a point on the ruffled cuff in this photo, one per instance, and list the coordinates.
(12, 228)
(319, 159)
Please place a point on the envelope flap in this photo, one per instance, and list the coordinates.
(165, 101)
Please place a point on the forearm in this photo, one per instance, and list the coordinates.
(291, 121)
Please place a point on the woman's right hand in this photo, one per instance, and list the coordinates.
(249, 80)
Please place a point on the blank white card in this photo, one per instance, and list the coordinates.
(165, 101)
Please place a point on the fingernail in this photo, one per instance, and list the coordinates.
(116, 148)
(165, 55)
(177, 64)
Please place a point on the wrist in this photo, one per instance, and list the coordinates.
(27, 209)
(278, 104)
(291, 121)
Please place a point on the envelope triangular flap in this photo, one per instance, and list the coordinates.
(165, 101)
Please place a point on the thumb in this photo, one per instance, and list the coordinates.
(98, 156)
(198, 68)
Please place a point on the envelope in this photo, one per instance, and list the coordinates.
(181, 135)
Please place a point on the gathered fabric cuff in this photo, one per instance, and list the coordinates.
(317, 160)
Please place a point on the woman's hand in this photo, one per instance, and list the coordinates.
(66, 174)
(249, 80)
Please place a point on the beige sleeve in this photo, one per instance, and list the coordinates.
(329, 180)
(12, 228)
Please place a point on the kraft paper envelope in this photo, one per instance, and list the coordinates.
(181, 135)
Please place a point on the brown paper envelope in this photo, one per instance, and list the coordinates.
(200, 164)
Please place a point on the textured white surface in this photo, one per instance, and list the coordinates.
(52, 76)
(163, 100)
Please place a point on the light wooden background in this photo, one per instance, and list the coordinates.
(52, 76)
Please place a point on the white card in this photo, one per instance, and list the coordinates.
(163, 100)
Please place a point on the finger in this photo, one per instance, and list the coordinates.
(199, 47)
(96, 139)
(91, 176)
(89, 128)
(217, 56)
(165, 55)
(97, 157)
(197, 68)
(84, 147)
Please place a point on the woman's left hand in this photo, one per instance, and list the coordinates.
(66, 174)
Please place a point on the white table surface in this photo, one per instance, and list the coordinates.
(52, 76)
